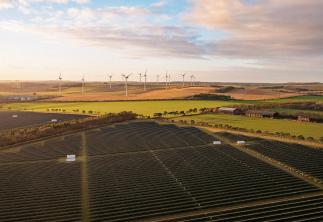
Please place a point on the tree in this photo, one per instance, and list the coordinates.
(301, 137)
(158, 115)
(311, 139)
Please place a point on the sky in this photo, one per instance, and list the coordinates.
(215, 40)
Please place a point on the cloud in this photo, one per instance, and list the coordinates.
(164, 41)
(159, 4)
(136, 31)
(264, 28)
(5, 4)
(260, 30)
(58, 1)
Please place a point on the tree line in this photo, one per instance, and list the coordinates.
(265, 133)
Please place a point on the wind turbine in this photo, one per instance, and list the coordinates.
(110, 77)
(140, 78)
(157, 78)
(145, 80)
(83, 84)
(169, 81)
(126, 77)
(60, 78)
(166, 78)
(183, 75)
(17, 84)
(192, 80)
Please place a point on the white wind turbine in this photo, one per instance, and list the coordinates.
(145, 76)
(166, 78)
(183, 75)
(126, 77)
(140, 78)
(60, 78)
(157, 79)
(169, 81)
(192, 80)
(83, 84)
(110, 78)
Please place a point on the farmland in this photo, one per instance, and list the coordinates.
(286, 111)
(24, 119)
(157, 171)
(298, 99)
(144, 107)
(139, 107)
(271, 125)
(100, 91)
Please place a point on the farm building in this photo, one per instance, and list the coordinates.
(304, 118)
(232, 111)
(262, 114)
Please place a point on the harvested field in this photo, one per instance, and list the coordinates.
(135, 94)
(259, 94)
(100, 91)
(23, 119)
(134, 172)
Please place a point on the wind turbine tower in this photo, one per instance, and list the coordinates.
(83, 84)
(126, 77)
(166, 78)
(145, 88)
(140, 78)
(110, 78)
(60, 78)
(192, 80)
(157, 79)
(183, 75)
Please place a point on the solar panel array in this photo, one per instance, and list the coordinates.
(25, 119)
(134, 172)
(305, 209)
(304, 158)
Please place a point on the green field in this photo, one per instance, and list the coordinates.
(318, 99)
(299, 111)
(139, 107)
(314, 130)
